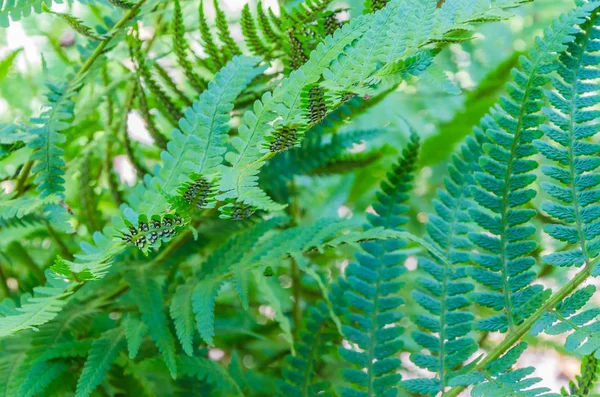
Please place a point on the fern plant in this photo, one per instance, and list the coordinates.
(184, 187)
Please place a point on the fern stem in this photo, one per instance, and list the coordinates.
(64, 250)
(20, 187)
(28, 261)
(5, 288)
(100, 49)
(522, 329)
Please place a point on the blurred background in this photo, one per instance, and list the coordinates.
(442, 116)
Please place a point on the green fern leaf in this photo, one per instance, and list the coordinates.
(567, 317)
(47, 151)
(586, 380)
(572, 153)
(42, 376)
(9, 373)
(250, 32)
(230, 48)
(42, 307)
(372, 284)
(265, 25)
(211, 49)
(135, 330)
(505, 262)
(124, 4)
(103, 353)
(498, 379)
(207, 370)
(197, 147)
(148, 296)
(299, 377)
(168, 108)
(180, 48)
(15, 10)
(74, 23)
(220, 262)
(444, 328)
(183, 317)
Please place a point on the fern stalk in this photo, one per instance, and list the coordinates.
(522, 329)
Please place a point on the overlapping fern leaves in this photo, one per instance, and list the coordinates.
(372, 287)
(505, 262)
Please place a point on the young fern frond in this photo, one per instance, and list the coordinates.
(250, 31)
(265, 25)
(585, 382)
(372, 291)
(444, 329)
(171, 84)
(74, 23)
(169, 109)
(300, 378)
(212, 50)
(181, 47)
(504, 265)
(159, 139)
(573, 190)
(230, 48)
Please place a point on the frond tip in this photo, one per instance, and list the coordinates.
(373, 284)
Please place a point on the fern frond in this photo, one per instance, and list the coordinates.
(197, 147)
(566, 317)
(239, 181)
(148, 296)
(48, 138)
(584, 383)
(171, 84)
(135, 330)
(41, 377)
(444, 329)
(42, 307)
(250, 32)
(183, 317)
(9, 373)
(211, 49)
(299, 378)
(169, 109)
(15, 10)
(304, 12)
(74, 23)
(371, 292)
(124, 4)
(204, 369)
(220, 262)
(159, 139)
(286, 106)
(573, 189)
(94, 260)
(498, 379)
(230, 48)
(180, 48)
(265, 25)
(103, 353)
(504, 264)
